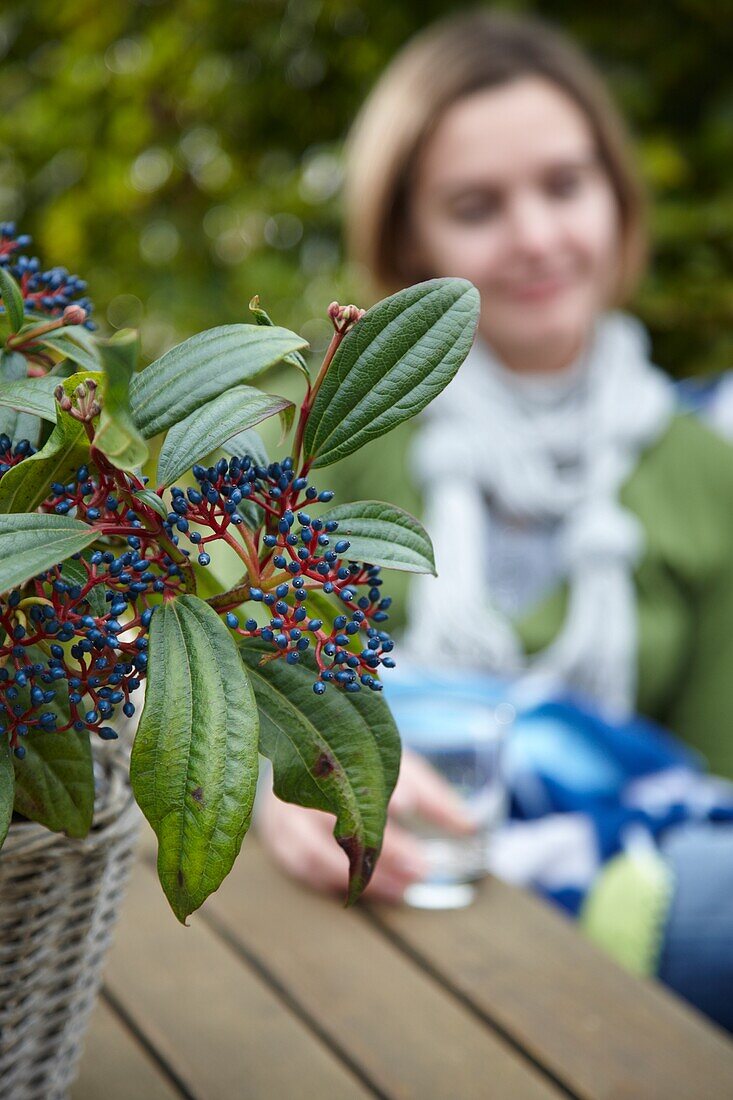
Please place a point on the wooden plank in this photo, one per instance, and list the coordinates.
(599, 1029)
(207, 1015)
(375, 1006)
(115, 1066)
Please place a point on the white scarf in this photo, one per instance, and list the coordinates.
(541, 453)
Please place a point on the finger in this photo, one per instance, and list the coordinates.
(301, 841)
(319, 863)
(323, 865)
(402, 855)
(303, 844)
(385, 887)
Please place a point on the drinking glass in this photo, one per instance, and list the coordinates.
(461, 735)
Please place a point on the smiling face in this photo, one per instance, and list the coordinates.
(509, 193)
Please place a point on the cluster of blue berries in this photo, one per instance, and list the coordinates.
(297, 557)
(60, 636)
(11, 455)
(97, 672)
(234, 491)
(83, 624)
(347, 654)
(48, 292)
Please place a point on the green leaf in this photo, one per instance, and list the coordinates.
(260, 315)
(15, 421)
(147, 496)
(263, 318)
(54, 782)
(12, 298)
(286, 421)
(117, 436)
(194, 761)
(26, 485)
(201, 368)
(75, 344)
(31, 543)
(249, 443)
(393, 362)
(209, 426)
(13, 366)
(73, 571)
(336, 752)
(7, 787)
(252, 514)
(30, 395)
(382, 534)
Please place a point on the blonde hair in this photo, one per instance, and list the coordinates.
(453, 58)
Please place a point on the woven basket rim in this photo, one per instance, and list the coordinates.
(114, 811)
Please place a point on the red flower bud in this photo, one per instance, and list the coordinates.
(344, 317)
(74, 315)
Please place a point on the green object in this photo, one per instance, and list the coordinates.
(202, 368)
(295, 359)
(31, 542)
(73, 571)
(210, 425)
(682, 491)
(402, 353)
(383, 535)
(16, 420)
(117, 437)
(147, 496)
(195, 758)
(12, 299)
(194, 761)
(625, 911)
(311, 743)
(26, 485)
(249, 442)
(7, 788)
(26, 395)
(173, 204)
(74, 344)
(54, 782)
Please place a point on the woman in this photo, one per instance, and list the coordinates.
(583, 529)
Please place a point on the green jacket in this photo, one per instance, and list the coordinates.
(682, 491)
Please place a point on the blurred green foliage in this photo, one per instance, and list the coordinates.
(183, 156)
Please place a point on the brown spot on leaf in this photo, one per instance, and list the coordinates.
(362, 860)
(198, 796)
(180, 877)
(370, 859)
(324, 765)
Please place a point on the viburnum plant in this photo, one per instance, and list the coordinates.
(106, 584)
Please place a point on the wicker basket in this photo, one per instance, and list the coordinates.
(59, 900)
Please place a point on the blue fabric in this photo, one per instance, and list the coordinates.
(697, 954)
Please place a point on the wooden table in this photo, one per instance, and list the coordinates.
(273, 992)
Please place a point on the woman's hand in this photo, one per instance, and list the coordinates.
(302, 841)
